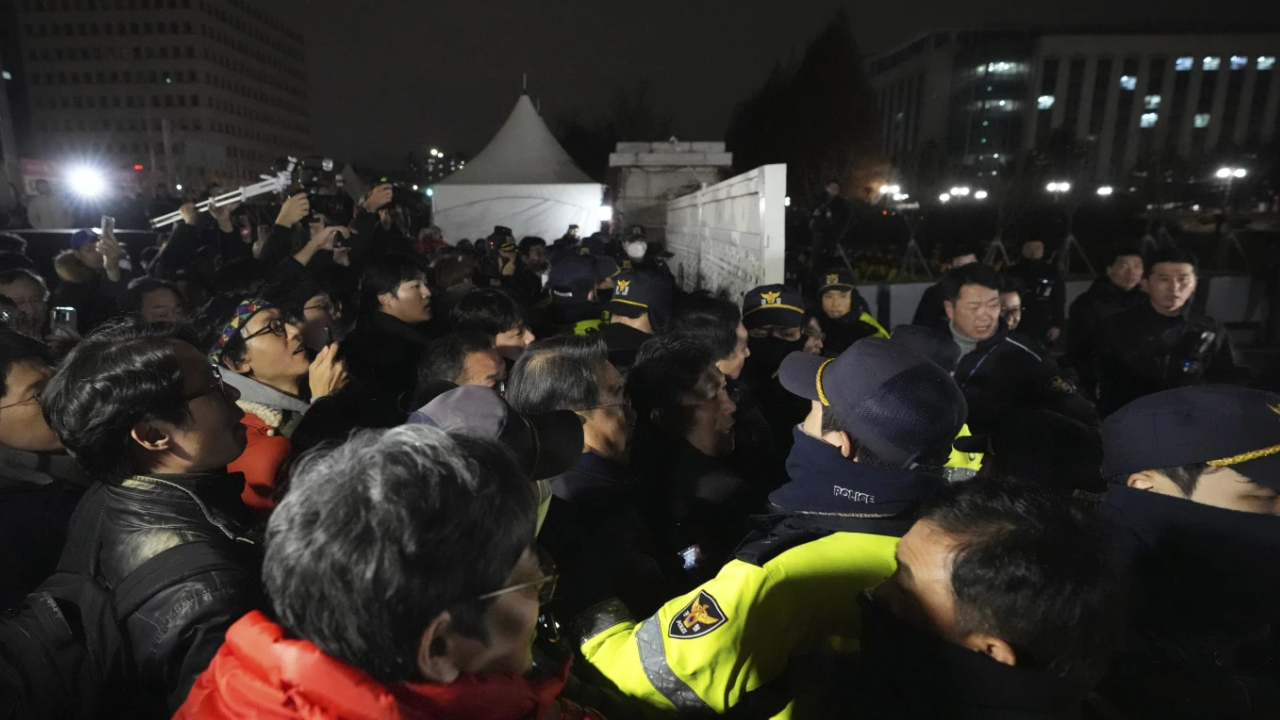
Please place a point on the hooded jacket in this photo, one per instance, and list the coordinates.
(262, 673)
(270, 419)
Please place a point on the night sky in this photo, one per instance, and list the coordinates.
(445, 73)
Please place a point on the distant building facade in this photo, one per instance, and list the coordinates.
(187, 89)
(974, 100)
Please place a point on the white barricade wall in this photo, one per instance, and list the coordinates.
(730, 237)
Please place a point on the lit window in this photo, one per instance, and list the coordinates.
(1213, 62)
(1239, 62)
(1184, 64)
(1148, 120)
(1266, 62)
(1005, 68)
(1046, 101)
(1128, 82)
(1152, 102)
(1202, 120)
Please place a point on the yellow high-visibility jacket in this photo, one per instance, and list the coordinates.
(722, 644)
(963, 465)
(880, 331)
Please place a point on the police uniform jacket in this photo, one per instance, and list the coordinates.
(788, 595)
(1007, 372)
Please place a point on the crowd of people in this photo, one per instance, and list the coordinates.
(328, 470)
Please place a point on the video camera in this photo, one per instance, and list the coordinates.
(316, 177)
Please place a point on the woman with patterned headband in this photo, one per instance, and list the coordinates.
(262, 354)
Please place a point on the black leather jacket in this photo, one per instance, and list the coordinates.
(175, 635)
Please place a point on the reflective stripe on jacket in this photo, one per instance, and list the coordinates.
(722, 644)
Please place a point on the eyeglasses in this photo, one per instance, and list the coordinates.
(34, 398)
(275, 326)
(218, 386)
(324, 307)
(546, 584)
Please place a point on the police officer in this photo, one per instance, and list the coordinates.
(868, 454)
(640, 308)
(1044, 294)
(846, 317)
(1162, 344)
(1000, 371)
(1193, 478)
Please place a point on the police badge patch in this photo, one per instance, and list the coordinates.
(698, 618)
(1060, 386)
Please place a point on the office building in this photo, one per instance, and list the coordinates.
(968, 103)
(185, 89)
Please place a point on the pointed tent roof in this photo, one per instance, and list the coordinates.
(524, 152)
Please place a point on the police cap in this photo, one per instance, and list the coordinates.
(1221, 425)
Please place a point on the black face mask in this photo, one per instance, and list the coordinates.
(768, 353)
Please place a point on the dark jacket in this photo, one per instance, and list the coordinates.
(1044, 297)
(623, 342)
(696, 500)
(843, 332)
(38, 492)
(930, 312)
(177, 632)
(1102, 300)
(1206, 600)
(1144, 352)
(909, 672)
(755, 452)
(89, 291)
(1005, 373)
(597, 531)
(383, 353)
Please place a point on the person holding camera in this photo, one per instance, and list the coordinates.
(1161, 344)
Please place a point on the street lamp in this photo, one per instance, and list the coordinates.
(960, 192)
(980, 195)
(944, 197)
(1106, 191)
(1228, 173)
(890, 189)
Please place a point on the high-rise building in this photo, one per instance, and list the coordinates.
(189, 90)
(1115, 99)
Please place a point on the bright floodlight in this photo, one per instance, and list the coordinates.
(605, 213)
(890, 189)
(1106, 190)
(86, 182)
(786, 201)
(1239, 172)
(980, 195)
(1058, 187)
(944, 197)
(899, 197)
(1224, 173)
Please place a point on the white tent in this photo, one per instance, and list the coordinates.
(524, 180)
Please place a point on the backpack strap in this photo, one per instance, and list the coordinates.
(169, 568)
(80, 553)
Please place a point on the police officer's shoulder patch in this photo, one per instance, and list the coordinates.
(700, 617)
(1060, 385)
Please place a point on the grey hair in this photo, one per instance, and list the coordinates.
(378, 536)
